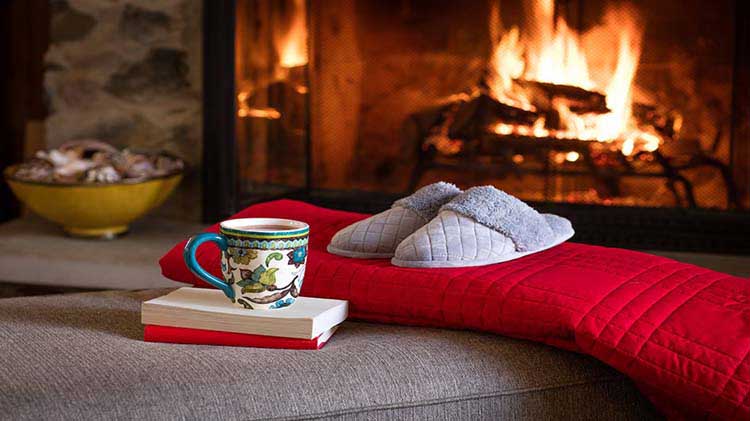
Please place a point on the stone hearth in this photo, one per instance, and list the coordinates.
(129, 73)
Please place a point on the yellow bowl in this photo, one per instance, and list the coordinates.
(93, 210)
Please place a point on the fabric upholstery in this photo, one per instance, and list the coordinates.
(81, 357)
(681, 332)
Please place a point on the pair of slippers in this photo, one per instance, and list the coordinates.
(441, 226)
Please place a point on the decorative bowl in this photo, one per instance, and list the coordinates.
(90, 209)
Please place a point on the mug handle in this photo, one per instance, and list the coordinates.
(195, 267)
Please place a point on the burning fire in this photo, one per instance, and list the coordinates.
(245, 110)
(291, 48)
(555, 54)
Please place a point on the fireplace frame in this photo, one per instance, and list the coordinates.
(681, 229)
(219, 174)
(24, 39)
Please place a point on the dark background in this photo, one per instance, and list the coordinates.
(24, 36)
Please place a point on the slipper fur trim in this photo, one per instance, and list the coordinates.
(426, 201)
(506, 214)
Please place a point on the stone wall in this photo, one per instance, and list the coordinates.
(129, 72)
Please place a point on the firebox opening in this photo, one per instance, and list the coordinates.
(562, 107)
(603, 103)
(624, 116)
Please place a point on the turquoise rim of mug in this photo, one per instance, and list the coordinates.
(231, 227)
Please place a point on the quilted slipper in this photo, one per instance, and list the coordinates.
(378, 235)
(481, 226)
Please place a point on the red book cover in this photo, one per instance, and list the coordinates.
(182, 335)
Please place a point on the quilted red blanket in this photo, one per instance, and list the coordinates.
(681, 332)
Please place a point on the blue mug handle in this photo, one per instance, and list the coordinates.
(192, 263)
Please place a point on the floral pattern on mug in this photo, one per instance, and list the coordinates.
(283, 303)
(226, 270)
(242, 255)
(260, 270)
(262, 278)
(297, 256)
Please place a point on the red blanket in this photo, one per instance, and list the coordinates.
(681, 332)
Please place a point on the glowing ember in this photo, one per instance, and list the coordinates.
(555, 54)
(650, 141)
(562, 157)
(503, 129)
(538, 129)
(267, 113)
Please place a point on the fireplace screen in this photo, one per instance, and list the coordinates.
(587, 102)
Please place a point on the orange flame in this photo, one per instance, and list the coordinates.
(555, 54)
(560, 59)
(292, 46)
(506, 63)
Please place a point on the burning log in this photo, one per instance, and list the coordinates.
(492, 144)
(474, 116)
(578, 100)
(273, 121)
(419, 125)
(667, 124)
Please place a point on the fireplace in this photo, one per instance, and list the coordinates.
(631, 118)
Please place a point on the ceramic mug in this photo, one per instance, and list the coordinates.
(262, 261)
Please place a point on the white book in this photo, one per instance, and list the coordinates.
(210, 309)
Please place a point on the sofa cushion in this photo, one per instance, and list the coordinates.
(81, 356)
(680, 332)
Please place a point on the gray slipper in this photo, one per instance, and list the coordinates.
(481, 226)
(378, 235)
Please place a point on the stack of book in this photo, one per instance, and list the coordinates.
(206, 317)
